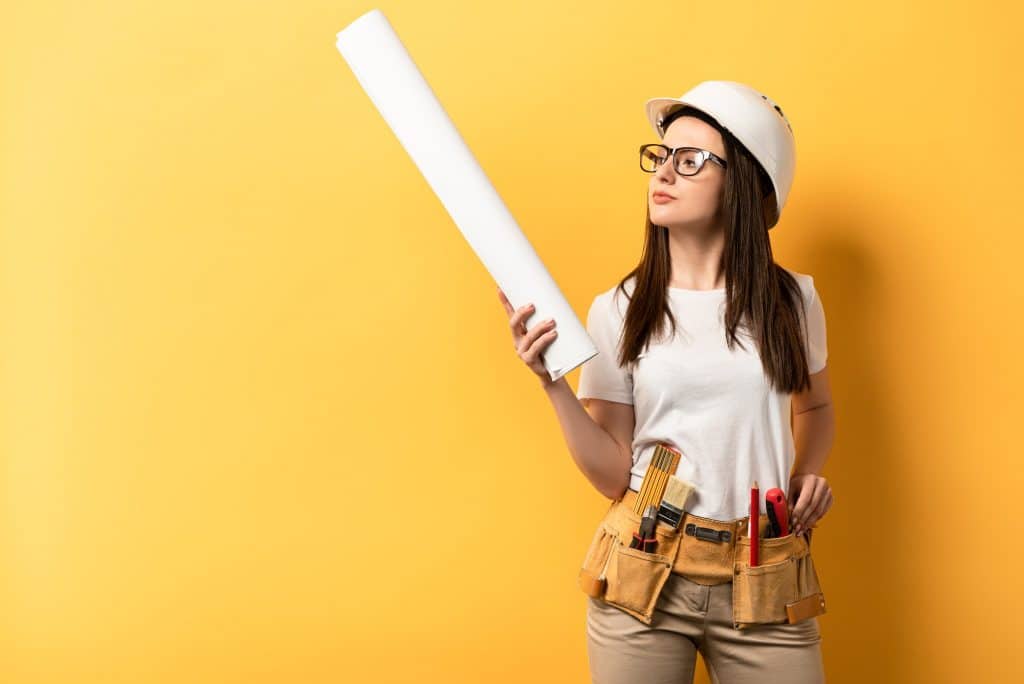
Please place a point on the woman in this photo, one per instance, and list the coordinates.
(710, 346)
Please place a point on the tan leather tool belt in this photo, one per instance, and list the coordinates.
(782, 588)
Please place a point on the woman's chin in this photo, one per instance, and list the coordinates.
(664, 213)
(677, 220)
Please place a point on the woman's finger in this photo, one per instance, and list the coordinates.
(535, 341)
(504, 302)
(803, 502)
(533, 334)
(817, 507)
(516, 322)
(819, 510)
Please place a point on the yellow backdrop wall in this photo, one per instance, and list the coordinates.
(262, 420)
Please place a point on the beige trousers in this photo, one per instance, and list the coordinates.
(691, 617)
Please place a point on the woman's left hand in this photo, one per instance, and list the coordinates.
(810, 498)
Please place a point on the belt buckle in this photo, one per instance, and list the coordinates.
(707, 533)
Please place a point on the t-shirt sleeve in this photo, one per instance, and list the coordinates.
(816, 343)
(601, 377)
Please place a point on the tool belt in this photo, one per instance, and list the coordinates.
(782, 588)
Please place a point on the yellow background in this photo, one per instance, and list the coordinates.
(262, 419)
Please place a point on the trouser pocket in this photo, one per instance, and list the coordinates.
(783, 588)
(635, 579)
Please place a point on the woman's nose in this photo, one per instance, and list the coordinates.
(665, 170)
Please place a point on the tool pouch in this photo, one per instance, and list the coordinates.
(627, 578)
(782, 588)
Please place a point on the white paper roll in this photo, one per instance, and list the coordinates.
(389, 76)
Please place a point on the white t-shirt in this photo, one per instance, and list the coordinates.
(712, 404)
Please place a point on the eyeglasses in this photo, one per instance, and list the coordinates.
(688, 160)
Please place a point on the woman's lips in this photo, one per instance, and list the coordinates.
(662, 199)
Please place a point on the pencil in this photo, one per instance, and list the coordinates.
(755, 520)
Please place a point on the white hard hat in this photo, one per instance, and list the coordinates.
(752, 117)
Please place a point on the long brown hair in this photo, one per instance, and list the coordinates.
(760, 294)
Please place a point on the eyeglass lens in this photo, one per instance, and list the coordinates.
(687, 161)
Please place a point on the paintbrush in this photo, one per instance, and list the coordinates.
(674, 502)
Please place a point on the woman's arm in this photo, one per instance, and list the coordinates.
(813, 431)
(813, 423)
(601, 444)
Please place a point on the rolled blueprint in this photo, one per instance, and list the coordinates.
(394, 83)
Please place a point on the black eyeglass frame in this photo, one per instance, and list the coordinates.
(705, 155)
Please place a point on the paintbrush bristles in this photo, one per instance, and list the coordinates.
(677, 492)
(672, 506)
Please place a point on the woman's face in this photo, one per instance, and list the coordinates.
(695, 199)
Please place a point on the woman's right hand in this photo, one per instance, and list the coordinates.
(529, 344)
